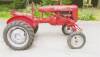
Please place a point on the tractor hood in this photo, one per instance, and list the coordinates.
(57, 8)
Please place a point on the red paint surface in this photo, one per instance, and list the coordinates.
(56, 19)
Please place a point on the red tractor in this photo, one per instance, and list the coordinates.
(20, 30)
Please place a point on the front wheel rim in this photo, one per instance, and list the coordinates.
(77, 41)
(68, 30)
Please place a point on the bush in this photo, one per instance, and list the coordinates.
(46, 2)
(5, 15)
(86, 15)
(80, 3)
(51, 2)
(67, 2)
(19, 4)
(5, 11)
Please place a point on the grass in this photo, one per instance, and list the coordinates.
(96, 13)
(86, 14)
(4, 15)
(5, 11)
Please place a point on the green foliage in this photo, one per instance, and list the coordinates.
(51, 2)
(5, 10)
(67, 2)
(36, 1)
(86, 15)
(37, 13)
(16, 1)
(46, 2)
(80, 3)
(4, 14)
(19, 4)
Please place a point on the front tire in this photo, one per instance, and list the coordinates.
(67, 30)
(76, 40)
(18, 35)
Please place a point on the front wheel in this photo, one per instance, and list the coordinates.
(67, 30)
(18, 35)
(76, 40)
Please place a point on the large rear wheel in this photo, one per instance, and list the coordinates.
(18, 35)
(36, 29)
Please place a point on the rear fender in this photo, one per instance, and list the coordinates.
(26, 19)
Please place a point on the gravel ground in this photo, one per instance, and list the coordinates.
(51, 42)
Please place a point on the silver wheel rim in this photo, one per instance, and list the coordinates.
(68, 30)
(17, 36)
(77, 41)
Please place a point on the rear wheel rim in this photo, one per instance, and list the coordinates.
(17, 36)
